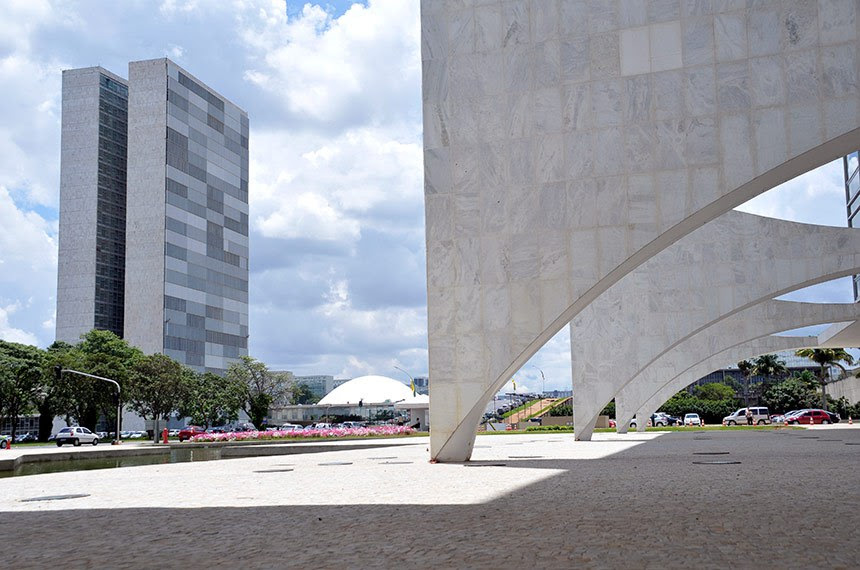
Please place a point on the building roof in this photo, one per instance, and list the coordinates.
(369, 389)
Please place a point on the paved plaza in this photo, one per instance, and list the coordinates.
(702, 499)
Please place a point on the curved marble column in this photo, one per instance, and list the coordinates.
(725, 267)
(752, 325)
(626, 408)
(566, 143)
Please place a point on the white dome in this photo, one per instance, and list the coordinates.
(370, 389)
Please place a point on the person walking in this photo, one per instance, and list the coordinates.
(749, 417)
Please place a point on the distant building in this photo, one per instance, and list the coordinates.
(422, 384)
(319, 385)
(153, 238)
(793, 362)
(851, 169)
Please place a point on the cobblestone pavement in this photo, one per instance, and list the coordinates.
(775, 498)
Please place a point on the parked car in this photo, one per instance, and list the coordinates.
(692, 420)
(76, 435)
(173, 432)
(240, 427)
(188, 432)
(291, 427)
(812, 417)
(662, 419)
(25, 438)
(760, 416)
(612, 423)
(4, 441)
(352, 425)
(834, 417)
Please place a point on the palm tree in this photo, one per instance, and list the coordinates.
(747, 368)
(825, 357)
(768, 366)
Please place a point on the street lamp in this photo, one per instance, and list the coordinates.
(411, 380)
(58, 371)
(543, 381)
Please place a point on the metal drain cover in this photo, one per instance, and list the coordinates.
(272, 470)
(525, 456)
(711, 453)
(716, 462)
(484, 465)
(55, 497)
(336, 463)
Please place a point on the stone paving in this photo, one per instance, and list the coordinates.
(536, 501)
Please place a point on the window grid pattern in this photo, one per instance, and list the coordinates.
(206, 226)
(110, 230)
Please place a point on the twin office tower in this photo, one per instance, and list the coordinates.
(153, 240)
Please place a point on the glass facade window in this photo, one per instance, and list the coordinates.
(110, 217)
(852, 186)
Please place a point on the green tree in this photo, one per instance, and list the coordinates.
(262, 387)
(714, 391)
(212, 400)
(101, 353)
(747, 368)
(770, 368)
(791, 394)
(826, 357)
(158, 385)
(20, 380)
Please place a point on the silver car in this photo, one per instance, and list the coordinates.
(76, 435)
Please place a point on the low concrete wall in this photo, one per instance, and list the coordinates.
(849, 388)
(557, 421)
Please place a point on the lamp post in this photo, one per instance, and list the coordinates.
(411, 380)
(543, 381)
(58, 371)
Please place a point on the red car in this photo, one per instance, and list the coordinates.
(190, 431)
(810, 417)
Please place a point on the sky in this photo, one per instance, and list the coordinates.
(333, 92)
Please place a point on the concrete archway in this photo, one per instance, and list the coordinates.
(552, 171)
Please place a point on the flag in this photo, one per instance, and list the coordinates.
(412, 385)
(515, 385)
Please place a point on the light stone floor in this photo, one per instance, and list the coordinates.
(536, 501)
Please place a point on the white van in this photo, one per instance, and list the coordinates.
(760, 416)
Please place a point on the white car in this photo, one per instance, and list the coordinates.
(692, 420)
(4, 441)
(76, 435)
(291, 427)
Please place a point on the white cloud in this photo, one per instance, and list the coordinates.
(363, 65)
(27, 241)
(10, 333)
(816, 197)
(319, 188)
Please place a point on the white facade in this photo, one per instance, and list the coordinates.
(568, 143)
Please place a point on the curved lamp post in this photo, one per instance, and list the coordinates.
(58, 371)
(411, 380)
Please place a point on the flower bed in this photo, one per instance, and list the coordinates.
(303, 434)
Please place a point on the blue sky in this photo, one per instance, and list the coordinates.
(333, 94)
